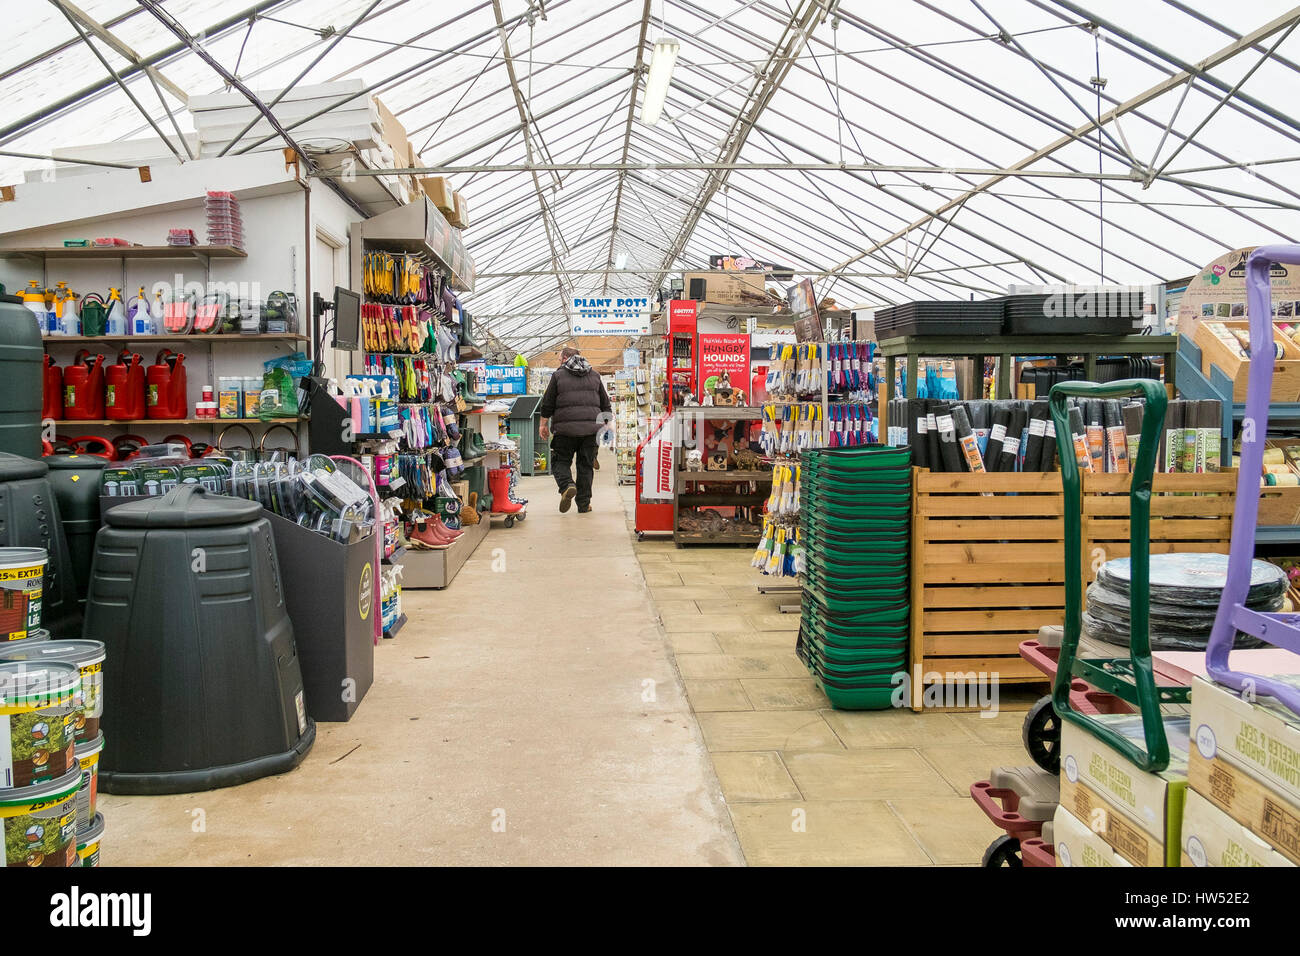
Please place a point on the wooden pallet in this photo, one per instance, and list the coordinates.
(987, 571)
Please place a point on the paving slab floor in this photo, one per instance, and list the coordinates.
(579, 697)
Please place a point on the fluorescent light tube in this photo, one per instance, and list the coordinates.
(662, 62)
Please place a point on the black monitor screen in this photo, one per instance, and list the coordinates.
(347, 319)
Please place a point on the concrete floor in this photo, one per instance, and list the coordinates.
(577, 697)
(540, 695)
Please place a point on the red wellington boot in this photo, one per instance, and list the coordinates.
(499, 485)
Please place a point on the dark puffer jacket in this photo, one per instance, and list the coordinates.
(575, 399)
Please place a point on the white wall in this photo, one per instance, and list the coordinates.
(279, 229)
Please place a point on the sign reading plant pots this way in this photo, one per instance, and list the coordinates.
(610, 315)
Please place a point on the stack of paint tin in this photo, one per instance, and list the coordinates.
(50, 705)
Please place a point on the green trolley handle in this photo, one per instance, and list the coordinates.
(1131, 679)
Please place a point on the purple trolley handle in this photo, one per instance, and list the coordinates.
(1280, 630)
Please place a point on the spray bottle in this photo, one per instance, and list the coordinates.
(70, 320)
(156, 313)
(141, 323)
(54, 306)
(34, 299)
(116, 322)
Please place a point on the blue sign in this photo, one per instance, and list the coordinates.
(504, 380)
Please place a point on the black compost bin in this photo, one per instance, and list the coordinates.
(30, 518)
(75, 480)
(202, 687)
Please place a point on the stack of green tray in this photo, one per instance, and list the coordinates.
(854, 522)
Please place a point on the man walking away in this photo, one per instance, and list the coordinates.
(572, 409)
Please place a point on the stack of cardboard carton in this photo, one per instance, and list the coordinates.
(448, 202)
(1243, 808)
(1113, 813)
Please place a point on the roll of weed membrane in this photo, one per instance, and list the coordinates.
(22, 580)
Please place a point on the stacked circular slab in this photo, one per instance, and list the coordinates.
(854, 520)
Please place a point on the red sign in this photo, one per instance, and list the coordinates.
(723, 353)
(682, 315)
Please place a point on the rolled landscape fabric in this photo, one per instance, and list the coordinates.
(969, 444)
(1079, 439)
(1172, 445)
(932, 435)
(1038, 414)
(948, 440)
(1133, 429)
(997, 432)
(1116, 438)
(1048, 460)
(1096, 432)
(1009, 457)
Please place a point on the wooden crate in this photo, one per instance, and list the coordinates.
(1286, 370)
(988, 569)
(1188, 513)
(1279, 504)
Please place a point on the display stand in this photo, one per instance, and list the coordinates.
(437, 569)
(685, 497)
(330, 592)
(911, 348)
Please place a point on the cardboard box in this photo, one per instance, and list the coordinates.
(1246, 761)
(1262, 737)
(456, 218)
(1226, 354)
(1138, 813)
(440, 194)
(394, 131)
(730, 288)
(1248, 802)
(1212, 838)
(1076, 845)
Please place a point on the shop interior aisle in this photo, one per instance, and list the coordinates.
(807, 785)
(536, 693)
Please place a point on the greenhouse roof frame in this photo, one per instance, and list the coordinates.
(923, 149)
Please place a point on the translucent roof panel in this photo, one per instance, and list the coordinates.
(930, 149)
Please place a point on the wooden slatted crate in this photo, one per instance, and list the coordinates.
(988, 569)
(1188, 513)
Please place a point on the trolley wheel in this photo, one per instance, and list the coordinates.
(510, 521)
(1041, 734)
(521, 515)
(640, 535)
(1004, 851)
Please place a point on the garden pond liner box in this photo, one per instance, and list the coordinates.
(202, 684)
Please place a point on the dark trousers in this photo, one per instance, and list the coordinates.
(563, 450)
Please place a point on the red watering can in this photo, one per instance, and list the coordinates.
(83, 387)
(166, 386)
(124, 388)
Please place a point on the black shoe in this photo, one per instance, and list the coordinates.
(583, 509)
(566, 498)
